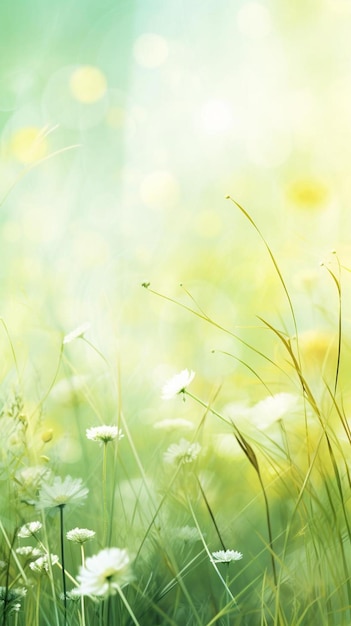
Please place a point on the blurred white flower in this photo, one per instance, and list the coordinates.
(226, 556)
(31, 477)
(29, 551)
(27, 530)
(173, 424)
(10, 599)
(182, 452)
(80, 535)
(42, 564)
(272, 408)
(61, 492)
(177, 384)
(76, 333)
(104, 573)
(104, 434)
(187, 533)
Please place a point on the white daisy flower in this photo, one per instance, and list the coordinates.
(226, 556)
(42, 564)
(177, 384)
(182, 452)
(76, 333)
(80, 535)
(61, 492)
(27, 530)
(104, 573)
(273, 408)
(104, 434)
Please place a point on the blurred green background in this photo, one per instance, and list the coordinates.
(124, 124)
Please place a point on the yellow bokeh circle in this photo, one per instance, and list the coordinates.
(28, 144)
(88, 84)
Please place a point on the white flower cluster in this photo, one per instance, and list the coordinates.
(104, 434)
(80, 535)
(29, 529)
(226, 556)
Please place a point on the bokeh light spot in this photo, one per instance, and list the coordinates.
(254, 20)
(208, 224)
(159, 190)
(309, 193)
(28, 144)
(115, 117)
(150, 50)
(88, 84)
(217, 117)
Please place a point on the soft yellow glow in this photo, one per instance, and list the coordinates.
(308, 193)
(150, 50)
(28, 144)
(217, 117)
(88, 84)
(208, 224)
(254, 20)
(159, 190)
(115, 117)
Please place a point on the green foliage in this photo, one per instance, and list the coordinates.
(269, 478)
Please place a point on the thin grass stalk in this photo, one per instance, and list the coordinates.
(247, 449)
(31, 166)
(13, 553)
(209, 320)
(7, 581)
(127, 605)
(273, 259)
(51, 577)
(82, 602)
(211, 514)
(338, 287)
(62, 546)
(208, 552)
(37, 607)
(339, 485)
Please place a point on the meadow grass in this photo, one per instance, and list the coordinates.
(238, 516)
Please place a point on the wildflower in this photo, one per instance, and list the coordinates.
(177, 384)
(104, 434)
(42, 564)
(27, 530)
(226, 556)
(61, 492)
(29, 478)
(80, 535)
(182, 452)
(104, 573)
(29, 551)
(273, 408)
(10, 600)
(76, 333)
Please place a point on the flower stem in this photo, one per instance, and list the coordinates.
(104, 492)
(63, 564)
(82, 596)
